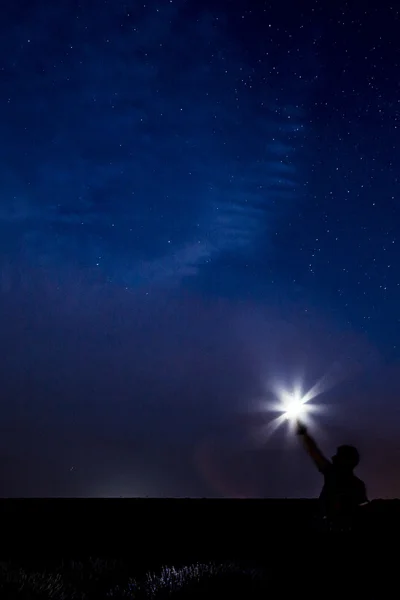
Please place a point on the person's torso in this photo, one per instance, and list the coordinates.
(342, 492)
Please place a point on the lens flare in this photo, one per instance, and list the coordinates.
(292, 406)
(295, 408)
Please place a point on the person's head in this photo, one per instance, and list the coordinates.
(346, 457)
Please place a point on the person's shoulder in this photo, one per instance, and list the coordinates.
(326, 468)
(358, 481)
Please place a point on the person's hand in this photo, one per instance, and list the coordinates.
(301, 429)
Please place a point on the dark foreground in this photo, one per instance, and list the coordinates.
(128, 548)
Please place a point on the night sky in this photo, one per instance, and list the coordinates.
(198, 199)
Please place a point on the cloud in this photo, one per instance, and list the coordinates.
(157, 160)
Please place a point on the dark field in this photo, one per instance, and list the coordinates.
(128, 548)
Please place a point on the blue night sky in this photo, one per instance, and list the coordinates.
(197, 199)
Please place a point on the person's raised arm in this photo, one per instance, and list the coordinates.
(312, 449)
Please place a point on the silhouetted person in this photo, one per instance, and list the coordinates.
(342, 492)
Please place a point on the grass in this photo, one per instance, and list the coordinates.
(99, 579)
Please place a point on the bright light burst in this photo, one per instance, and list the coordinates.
(291, 407)
(294, 407)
